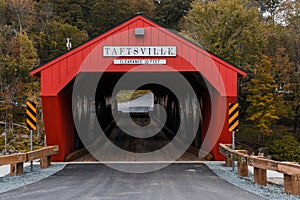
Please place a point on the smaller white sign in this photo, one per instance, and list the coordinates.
(139, 62)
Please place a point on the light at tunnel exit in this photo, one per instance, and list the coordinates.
(138, 101)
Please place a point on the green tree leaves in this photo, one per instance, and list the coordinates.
(227, 28)
(51, 41)
(240, 34)
(260, 96)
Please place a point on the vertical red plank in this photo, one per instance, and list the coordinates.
(87, 61)
(138, 40)
(78, 59)
(155, 36)
(46, 81)
(124, 36)
(53, 122)
(193, 60)
(148, 36)
(201, 64)
(186, 56)
(62, 72)
(230, 81)
(178, 59)
(94, 62)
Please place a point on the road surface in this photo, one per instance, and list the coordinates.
(96, 181)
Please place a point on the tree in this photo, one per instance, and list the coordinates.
(51, 41)
(102, 15)
(22, 11)
(69, 11)
(146, 7)
(282, 71)
(230, 29)
(15, 62)
(3, 12)
(260, 95)
(269, 8)
(282, 46)
(169, 13)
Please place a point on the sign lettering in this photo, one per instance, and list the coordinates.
(110, 51)
(139, 62)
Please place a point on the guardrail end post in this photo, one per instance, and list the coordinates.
(16, 169)
(260, 176)
(45, 162)
(292, 184)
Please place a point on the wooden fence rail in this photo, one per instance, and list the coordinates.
(260, 165)
(17, 160)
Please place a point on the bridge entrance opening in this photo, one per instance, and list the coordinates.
(112, 114)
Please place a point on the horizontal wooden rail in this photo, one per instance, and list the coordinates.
(16, 160)
(44, 154)
(289, 168)
(260, 165)
(13, 158)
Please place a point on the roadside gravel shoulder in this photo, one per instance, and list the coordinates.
(271, 191)
(8, 182)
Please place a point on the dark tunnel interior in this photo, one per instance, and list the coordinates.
(105, 104)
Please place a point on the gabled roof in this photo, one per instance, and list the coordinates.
(88, 57)
(37, 70)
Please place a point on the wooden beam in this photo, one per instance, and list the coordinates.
(262, 163)
(76, 154)
(43, 152)
(13, 159)
(289, 168)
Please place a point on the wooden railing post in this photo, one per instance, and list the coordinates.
(292, 184)
(243, 168)
(45, 162)
(291, 177)
(228, 161)
(260, 176)
(16, 169)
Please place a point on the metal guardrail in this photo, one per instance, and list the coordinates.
(16, 160)
(260, 164)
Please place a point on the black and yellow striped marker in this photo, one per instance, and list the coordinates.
(31, 115)
(233, 116)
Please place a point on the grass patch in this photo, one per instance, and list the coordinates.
(125, 95)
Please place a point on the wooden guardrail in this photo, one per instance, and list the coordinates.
(260, 165)
(237, 155)
(16, 160)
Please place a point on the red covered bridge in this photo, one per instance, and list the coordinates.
(140, 46)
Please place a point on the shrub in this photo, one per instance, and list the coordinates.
(285, 149)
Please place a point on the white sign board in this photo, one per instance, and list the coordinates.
(111, 51)
(140, 62)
